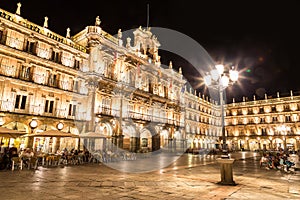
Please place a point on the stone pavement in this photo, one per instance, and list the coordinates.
(189, 177)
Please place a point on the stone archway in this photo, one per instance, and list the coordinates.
(105, 129)
(130, 139)
(265, 144)
(291, 144)
(146, 139)
(253, 144)
(278, 143)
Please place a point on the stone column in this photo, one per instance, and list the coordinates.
(92, 84)
(30, 140)
(134, 144)
(57, 145)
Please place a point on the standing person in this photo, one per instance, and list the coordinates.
(13, 151)
(5, 159)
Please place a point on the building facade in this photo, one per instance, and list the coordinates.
(268, 124)
(93, 82)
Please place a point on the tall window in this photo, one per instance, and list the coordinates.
(76, 85)
(76, 64)
(30, 47)
(20, 101)
(263, 131)
(72, 110)
(55, 56)
(49, 106)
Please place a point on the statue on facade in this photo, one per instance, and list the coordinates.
(119, 34)
(18, 12)
(128, 42)
(68, 33)
(170, 65)
(46, 22)
(98, 21)
(120, 37)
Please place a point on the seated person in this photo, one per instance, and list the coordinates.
(263, 160)
(288, 163)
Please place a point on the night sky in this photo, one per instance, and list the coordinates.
(260, 37)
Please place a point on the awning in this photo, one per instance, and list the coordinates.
(52, 133)
(10, 133)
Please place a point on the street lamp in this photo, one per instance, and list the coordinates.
(220, 79)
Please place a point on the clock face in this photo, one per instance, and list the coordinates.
(33, 124)
(60, 126)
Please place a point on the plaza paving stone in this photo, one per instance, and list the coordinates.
(188, 177)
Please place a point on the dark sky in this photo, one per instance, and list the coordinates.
(260, 37)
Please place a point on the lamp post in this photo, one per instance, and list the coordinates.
(219, 79)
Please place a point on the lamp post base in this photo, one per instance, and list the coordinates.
(225, 154)
(226, 171)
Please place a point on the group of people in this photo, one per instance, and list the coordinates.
(7, 154)
(66, 156)
(276, 160)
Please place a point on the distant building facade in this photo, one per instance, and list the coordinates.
(269, 124)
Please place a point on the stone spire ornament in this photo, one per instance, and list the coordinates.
(18, 11)
(46, 22)
(120, 41)
(68, 33)
(128, 40)
(119, 33)
(170, 65)
(98, 21)
(180, 70)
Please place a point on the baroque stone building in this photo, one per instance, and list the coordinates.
(92, 83)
